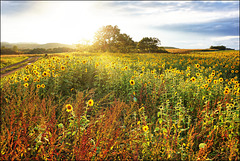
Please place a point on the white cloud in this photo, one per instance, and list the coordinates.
(224, 38)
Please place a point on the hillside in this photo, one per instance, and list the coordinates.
(36, 45)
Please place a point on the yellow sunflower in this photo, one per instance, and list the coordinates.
(25, 84)
(69, 108)
(132, 82)
(145, 128)
(90, 102)
(62, 68)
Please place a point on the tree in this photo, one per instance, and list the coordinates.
(106, 37)
(15, 48)
(124, 43)
(218, 47)
(149, 44)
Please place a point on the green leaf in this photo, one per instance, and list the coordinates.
(60, 125)
(164, 129)
(184, 129)
(202, 145)
(157, 129)
(74, 133)
(160, 121)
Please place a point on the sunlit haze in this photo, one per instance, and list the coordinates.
(182, 24)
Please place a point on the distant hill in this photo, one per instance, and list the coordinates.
(168, 47)
(36, 45)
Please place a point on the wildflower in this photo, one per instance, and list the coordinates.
(193, 79)
(197, 65)
(84, 61)
(126, 67)
(90, 102)
(142, 108)
(215, 81)
(62, 67)
(145, 128)
(44, 74)
(96, 65)
(25, 79)
(220, 79)
(38, 86)
(69, 108)
(226, 92)
(25, 84)
(132, 82)
(43, 85)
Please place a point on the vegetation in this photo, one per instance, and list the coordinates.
(6, 61)
(155, 106)
(218, 47)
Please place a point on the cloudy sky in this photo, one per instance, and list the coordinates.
(182, 24)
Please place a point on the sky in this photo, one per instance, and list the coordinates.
(181, 24)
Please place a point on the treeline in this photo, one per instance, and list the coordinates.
(220, 47)
(110, 39)
(15, 51)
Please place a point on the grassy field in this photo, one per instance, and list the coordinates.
(9, 60)
(123, 106)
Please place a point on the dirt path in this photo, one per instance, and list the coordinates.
(30, 60)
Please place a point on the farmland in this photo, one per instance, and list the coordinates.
(93, 106)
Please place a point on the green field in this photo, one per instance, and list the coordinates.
(95, 106)
(6, 61)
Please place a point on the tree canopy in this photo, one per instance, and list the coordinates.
(149, 44)
(109, 39)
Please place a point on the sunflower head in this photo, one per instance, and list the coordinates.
(62, 68)
(90, 102)
(25, 84)
(69, 108)
(145, 128)
(132, 82)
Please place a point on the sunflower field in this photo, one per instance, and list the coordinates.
(108, 106)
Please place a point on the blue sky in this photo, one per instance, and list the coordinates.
(182, 24)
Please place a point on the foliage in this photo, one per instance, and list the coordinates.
(8, 51)
(108, 38)
(149, 44)
(218, 47)
(6, 61)
(155, 106)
